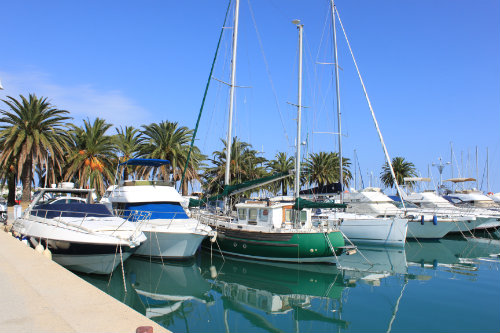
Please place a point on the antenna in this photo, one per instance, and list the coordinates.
(440, 168)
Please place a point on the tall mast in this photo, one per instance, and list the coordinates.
(231, 94)
(299, 113)
(355, 170)
(487, 171)
(337, 90)
(477, 171)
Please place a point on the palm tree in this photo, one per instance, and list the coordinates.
(92, 158)
(167, 141)
(196, 162)
(323, 168)
(128, 143)
(32, 132)
(245, 165)
(282, 164)
(401, 169)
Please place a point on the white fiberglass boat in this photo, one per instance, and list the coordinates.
(81, 236)
(366, 229)
(421, 224)
(170, 232)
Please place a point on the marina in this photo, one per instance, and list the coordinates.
(250, 166)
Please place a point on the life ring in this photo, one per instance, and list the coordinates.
(490, 193)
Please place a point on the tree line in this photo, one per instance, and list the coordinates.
(36, 138)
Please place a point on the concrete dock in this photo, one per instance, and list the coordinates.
(38, 295)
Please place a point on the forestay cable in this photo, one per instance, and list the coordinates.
(373, 113)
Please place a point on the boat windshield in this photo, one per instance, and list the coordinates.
(159, 210)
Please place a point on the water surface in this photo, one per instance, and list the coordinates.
(451, 285)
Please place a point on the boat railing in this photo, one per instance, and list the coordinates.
(57, 216)
(208, 218)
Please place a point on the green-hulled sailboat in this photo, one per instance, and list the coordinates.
(273, 230)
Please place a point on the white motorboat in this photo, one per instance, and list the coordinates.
(494, 196)
(366, 229)
(468, 219)
(422, 225)
(486, 210)
(80, 236)
(170, 232)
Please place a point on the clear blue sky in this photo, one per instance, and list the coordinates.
(432, 70)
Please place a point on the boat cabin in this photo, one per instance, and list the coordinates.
(269, 214)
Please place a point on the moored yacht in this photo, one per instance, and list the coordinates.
(80, 235)
(170, 232)
(422, 225)
(274, 231)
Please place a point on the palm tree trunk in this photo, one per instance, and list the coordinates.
(125, 173)
(185, 187)
(26, 176)
(11, 184)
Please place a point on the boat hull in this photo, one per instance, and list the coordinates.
(429, 230)
(465, 225)
(92, 264)
(170, 245)
(487, 223)
(86, 257)
(299, 247)
(388, 231)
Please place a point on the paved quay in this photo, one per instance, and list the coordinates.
(38, 295)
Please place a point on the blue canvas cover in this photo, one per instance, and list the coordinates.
(159, 210)
(145, 162)
(51, 211)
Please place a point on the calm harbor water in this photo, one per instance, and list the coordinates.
(451, 285)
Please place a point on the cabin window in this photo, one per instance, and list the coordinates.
(242, 214)
(263, 215)
(252, 216)
(303, 216)
(288, 215)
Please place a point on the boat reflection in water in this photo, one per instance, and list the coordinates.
(163, 287)
(454, 252)
(377, 289)
(257, 289)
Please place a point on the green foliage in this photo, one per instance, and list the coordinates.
(401, 169)
(323, 168)
(91, 158)
(245, 165)
(168, 141)
(32, 133)
(282, 164)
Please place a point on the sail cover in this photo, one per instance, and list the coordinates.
(145, 162)
(324, 189)
(303, 203)
(245, 186)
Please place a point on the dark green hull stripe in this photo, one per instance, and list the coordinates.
(261, 243)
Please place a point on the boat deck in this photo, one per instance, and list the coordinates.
(38, 295)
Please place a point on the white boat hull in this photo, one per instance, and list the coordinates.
(95, 263)
(172, 245)
(386, 231)
(487, 223)
(429, 230)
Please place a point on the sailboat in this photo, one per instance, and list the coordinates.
(357, 227)
(272, 230)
